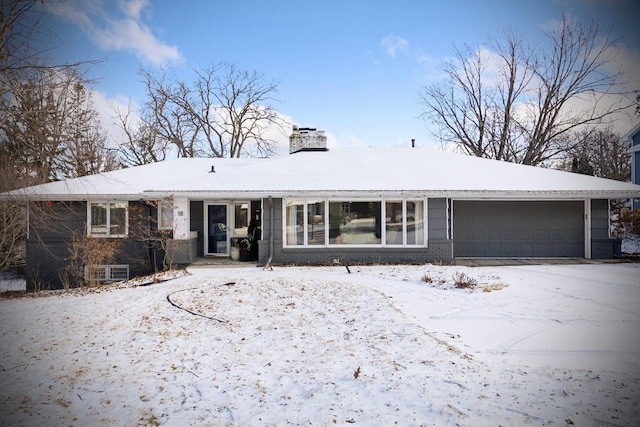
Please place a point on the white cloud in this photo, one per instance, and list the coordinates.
(133, 35)
(133, 8)
(393, 44)
(105, 107)
(119, 28)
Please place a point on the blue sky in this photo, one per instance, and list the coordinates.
(351, 68)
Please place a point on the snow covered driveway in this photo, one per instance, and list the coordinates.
(555, 345)
(562, 315)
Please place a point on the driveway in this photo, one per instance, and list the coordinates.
(584, 316)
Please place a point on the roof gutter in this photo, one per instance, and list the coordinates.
(368, 194)
(351, 194)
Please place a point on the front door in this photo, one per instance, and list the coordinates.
(217, 235)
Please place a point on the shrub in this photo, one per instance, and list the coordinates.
(462, 281)
(628, 222)
(87, 251)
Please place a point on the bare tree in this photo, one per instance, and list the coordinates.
(20, 24)
(517, 105)
(169, 119)
(85, 150)
(33, 104)
(15, 55)
(36, 97)
(142, 145)
(12, 224)
(51, 129)
(224, 112)
(600, 152)
(240, 111)
(476, 106)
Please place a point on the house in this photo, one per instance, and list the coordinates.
(360, 205)
(633, 137)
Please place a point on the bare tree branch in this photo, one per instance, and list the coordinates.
(524, 111)
(142, 144)
(224, 112)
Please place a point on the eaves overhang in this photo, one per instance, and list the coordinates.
(385, 194)
(631, 133)
(18, 196)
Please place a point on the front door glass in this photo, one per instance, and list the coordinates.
(217, 241)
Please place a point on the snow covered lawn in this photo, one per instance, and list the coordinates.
(551, 345)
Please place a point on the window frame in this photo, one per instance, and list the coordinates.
(383, 215)
(107, 234)
(165, 205)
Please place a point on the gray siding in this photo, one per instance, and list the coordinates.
(600, 219)
(196, 223)
(437, 219)
(51, 231)
(602, 247)
(51, 228)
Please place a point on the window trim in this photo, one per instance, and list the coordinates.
(107, 234)
(106, 273)
(382, 201)
(165, 204)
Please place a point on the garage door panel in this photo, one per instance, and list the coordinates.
(518, 229)
(510, 235)
(542, 250)
(493, 234)
(480, 249)
(540, 235)
(491, 248)
(556, 250)
(478, 235)
(524, 250)
(526, 234)
(558, 236)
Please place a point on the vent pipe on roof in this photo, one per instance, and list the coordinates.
(413, 143)
(213, 169)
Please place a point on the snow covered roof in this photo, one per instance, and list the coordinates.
(355, 172)
(131, 182)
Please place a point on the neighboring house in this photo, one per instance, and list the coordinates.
(633, 137)
(358, 205)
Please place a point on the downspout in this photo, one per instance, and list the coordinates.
(587, 229)
(270, 230)
(28, 219)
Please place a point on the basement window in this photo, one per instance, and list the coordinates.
(107, 219)
(106, 273)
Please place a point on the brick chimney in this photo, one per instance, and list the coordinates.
(307, 139)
